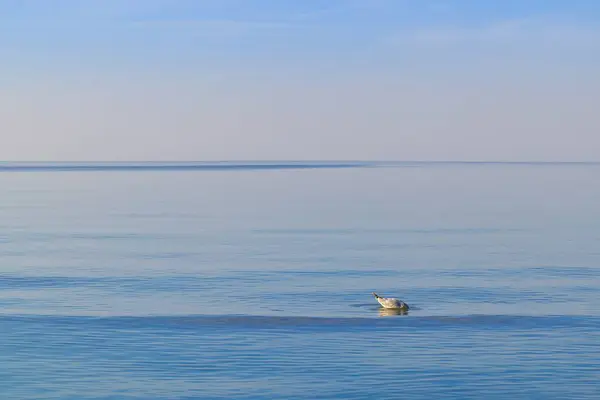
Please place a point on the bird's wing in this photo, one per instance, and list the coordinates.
(391, 302)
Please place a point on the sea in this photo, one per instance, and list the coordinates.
(254, 280)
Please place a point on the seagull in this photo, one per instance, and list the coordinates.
(390, 302)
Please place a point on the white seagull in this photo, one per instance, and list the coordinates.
(390, 302)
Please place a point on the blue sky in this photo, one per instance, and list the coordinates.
(339, 79)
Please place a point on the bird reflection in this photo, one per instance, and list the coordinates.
(389, 312)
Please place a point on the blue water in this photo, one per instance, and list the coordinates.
(253, 280)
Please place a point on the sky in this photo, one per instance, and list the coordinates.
(169, 80)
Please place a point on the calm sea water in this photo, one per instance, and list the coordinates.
(253, 281)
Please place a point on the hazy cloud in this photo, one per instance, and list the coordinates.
(521, 31)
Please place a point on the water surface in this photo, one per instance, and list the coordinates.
(253, 280)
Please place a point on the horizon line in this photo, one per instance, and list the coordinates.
(205, 166)
(295, 161)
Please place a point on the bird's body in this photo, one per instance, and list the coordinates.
(390, 302)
